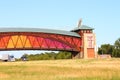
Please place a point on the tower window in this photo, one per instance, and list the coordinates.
(84, 31)
(88, 31)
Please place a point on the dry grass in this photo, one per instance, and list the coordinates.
(92, 69)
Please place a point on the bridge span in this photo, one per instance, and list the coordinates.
(80, 41)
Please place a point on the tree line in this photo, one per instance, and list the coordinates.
(47, 56)
(113, 50)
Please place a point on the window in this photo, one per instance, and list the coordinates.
(88, 31)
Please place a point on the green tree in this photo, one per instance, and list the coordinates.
(106, 49)
(116, 52)
(63, 55)
(24, 57)
(50, 56)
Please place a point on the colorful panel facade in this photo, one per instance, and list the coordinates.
(38, 41)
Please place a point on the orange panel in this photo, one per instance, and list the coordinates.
(6, 40)
(10, 44)
(91, 53)
(2, 45)
(23, 39)
(14, 38)
(19, 43)
(27, 44)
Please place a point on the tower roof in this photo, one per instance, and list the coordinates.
(82, 27)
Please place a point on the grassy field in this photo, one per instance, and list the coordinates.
(91, 69)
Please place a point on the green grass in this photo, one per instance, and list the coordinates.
(79, 69)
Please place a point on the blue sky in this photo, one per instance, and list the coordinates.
(103, 15)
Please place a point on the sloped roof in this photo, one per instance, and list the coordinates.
(62, 32)
(82, 27)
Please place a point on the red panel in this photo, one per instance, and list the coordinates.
(31, 39)
(4, 41)
(40, 41)
(50, 43)
(58, 45)
(36, 43)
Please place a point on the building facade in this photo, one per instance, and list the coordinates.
(88, 40)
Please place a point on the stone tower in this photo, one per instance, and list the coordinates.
(88, 40)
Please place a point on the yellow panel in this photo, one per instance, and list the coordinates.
(23, 39)
(14, 38)
(27, 44)
(10, 44)
(19, 43)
